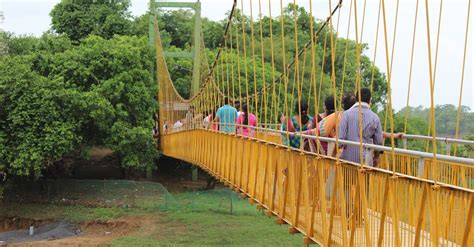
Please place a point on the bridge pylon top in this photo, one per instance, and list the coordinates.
(195, 54)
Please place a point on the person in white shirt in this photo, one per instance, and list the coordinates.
(178, 124)
(206, 121)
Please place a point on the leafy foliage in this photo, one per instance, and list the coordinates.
(80, 18)
(446, 116)
(178, 25)
(55, 103)
(89, 82)
(418, 124)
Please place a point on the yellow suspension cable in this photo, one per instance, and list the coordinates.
(375, 49)
(275, 106)
(387, 109)
(282, 22)
(239, 79)
(407, 109)
(293, 87)
(227, 72)
(245, 54)
(361, 151)
(389, 78)
(313, 73)
(322, 69)
(363, 22)
(333, 76)
(254, 60)
(435, 64)
(432, 117)
(336, 39)
(227, 68)
(262, 51)
(302, 74)
(458, 118)
(345, 53)
(297, 78)
(232, 61)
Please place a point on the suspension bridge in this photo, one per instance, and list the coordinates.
(411, 198)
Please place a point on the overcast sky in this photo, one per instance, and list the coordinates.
(32, 17)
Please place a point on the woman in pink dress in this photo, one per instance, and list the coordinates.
(247, 119)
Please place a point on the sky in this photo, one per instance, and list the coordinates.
(32, 17)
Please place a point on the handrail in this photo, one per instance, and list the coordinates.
(422, 155)
(415, 137)
(442, 139)
(375, 147)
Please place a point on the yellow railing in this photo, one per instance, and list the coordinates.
(331, 203)
(446, 172)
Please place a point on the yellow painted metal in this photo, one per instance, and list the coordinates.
(293, 186)
(405, 201)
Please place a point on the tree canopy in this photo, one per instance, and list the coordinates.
(80, 18)
(89, 82)
(59, 102)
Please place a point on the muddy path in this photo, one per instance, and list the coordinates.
(102, 233)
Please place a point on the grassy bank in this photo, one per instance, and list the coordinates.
(205, 218)
(217, 217)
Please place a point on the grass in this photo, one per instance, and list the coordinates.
(185, 219)
(209, 221)
(69, 213)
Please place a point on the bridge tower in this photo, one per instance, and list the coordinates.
(195, 54)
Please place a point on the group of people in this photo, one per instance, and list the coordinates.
(227, 118)
(343, 124)
(232, 119)
(181, 123)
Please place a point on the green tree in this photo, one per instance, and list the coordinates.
(58, 104)
(77, 19)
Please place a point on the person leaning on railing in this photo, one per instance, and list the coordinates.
(349, 127)
(372, 129)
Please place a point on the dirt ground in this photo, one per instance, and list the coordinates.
(101, 233)
(175, 176)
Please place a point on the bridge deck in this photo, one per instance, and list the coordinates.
(297, 188)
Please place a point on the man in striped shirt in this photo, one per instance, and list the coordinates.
(349, 129)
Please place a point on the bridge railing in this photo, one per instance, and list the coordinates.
(452, 170)
(405, 138)
(331, 202)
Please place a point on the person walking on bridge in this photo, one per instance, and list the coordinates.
(327, 126)
(248, 119)
(349, 129)
(226, 115)
(190, 117)
(301, 121)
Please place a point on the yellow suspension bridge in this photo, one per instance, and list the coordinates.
(410, 199)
